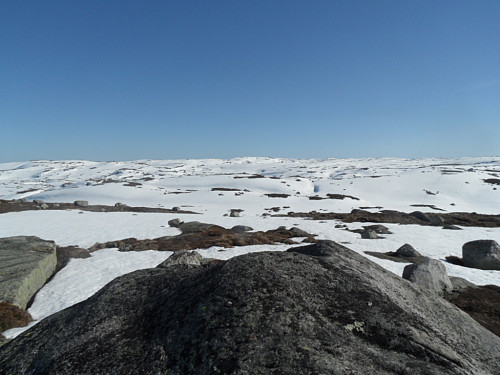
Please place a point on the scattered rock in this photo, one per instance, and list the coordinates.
(430, 274)
(44, 206)
(277, 195)
(482, 254)
(341, 196)
(369, 234)
(299, 232)
(176, 209)
(38, 201)
(460, 284)
(241, 228)
(431, 219)
(175, 223)
(81, 203)
(235, 212)
(407, 251)
(194, 227)
(379, 229)
(451, 227)
(259, 313)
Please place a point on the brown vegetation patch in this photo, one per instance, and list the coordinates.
(214, 235)
(12, 316)
(17, 206)
(466, 219)
(482, 304)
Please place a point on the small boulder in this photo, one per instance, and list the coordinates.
(299, 232)
(451, 227)
(430, 274)
(183, 257)
(369, 235)
(44, 206)
(235, 213)
(194, 227)
(175, 223)
(482, 254)
(81, 203)
(379, 229)
(38, 201)
(460, 284)
(241, 229)
(176, 209)
(407, 251)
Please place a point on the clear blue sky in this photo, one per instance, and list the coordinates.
(123, 80)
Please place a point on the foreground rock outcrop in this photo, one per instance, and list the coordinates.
(317, 309)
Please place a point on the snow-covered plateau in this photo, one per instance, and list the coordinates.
(211, 188)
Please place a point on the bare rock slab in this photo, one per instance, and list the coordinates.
(26, 262)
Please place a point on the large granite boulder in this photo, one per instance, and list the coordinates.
(429, 274)
(317, 309)
(482, 254)
(26, 262)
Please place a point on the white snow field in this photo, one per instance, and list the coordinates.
(451, 185)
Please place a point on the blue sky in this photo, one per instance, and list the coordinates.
(123, 80)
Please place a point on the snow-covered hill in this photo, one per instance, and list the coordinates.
(211, 188)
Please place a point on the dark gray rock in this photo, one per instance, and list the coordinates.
(81, 203)
(194, 227)
(241, 228)
(420, 215)
(320, 309)
(369, 234)
(175, 223)
(482, 254)
(429, 274)
(432, 219)
(299, 232)
(460, 284)
(379, 229)
(407, 251)
(236, 212)
(451, 227)
(26, 262)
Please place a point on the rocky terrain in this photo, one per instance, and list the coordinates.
(317, 309)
